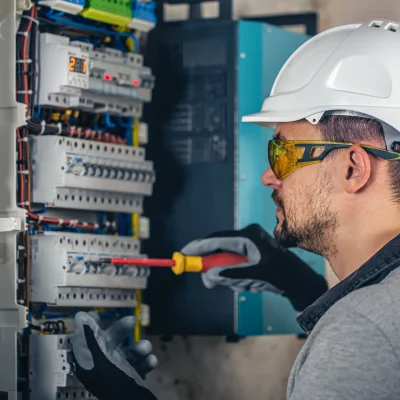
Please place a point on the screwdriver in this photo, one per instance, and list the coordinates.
(179, 263)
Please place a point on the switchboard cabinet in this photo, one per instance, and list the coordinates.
(209, 74)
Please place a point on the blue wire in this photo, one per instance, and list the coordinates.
(56, 315)
(41, 211)
(128, 135)
(42, 309)
(47, 228)
(36, 112)
(119, 44)
(107, 121)
(127, 124)
(121, 225)
(129, 223)
(93, 28)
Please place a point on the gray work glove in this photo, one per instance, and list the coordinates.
(107, 369)
(270, 267)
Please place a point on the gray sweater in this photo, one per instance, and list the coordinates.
(353, 350)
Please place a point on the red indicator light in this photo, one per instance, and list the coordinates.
(136, 83)
(107, 77)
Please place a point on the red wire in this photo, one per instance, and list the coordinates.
(26, 101)
(34, 217)
(64, 222)
(25, 57)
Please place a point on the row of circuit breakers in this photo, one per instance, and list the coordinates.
(82, 175)
(69, 172)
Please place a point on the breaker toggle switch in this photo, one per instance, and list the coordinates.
(106, 172)
(75, 168)
(91, 268)
(89, 170)
(120, 174)
(130, 270)
(109, 269)
(98, 172)
(127, 175)
(113, 173)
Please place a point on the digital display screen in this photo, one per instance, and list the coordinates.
(78, 65)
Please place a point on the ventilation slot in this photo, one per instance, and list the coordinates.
(376, 24)
(392, 27)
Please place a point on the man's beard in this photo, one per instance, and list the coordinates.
(317, 233)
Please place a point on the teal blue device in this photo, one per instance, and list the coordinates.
(262, 51)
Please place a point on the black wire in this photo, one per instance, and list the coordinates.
(23, 27)
(54, 327)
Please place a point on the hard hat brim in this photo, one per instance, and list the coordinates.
(270, 118)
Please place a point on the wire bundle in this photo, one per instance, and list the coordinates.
(27, 51)
(26, 72)
(53, 327)
(37, 127)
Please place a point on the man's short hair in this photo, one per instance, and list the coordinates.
(340, 128)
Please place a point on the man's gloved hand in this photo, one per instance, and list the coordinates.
(270, 267)
(107, 369)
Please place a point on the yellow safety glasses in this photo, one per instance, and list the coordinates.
(286, 156)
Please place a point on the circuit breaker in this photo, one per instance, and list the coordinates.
(78, 173)
(213, 71)
(75, 275)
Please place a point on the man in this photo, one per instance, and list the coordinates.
(335, 175)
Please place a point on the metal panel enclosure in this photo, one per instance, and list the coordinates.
(192, 128)
(209, 74)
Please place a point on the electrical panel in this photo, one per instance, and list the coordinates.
(75, 177)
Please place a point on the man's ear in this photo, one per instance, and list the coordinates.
(357, 169)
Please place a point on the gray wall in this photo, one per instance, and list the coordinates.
(203, 368)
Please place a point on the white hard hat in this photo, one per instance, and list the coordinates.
(352, 67)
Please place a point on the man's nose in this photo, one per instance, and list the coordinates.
(269, 179)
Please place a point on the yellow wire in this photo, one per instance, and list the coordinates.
(135, 132)
(130, 44)
(137, 331)
(55, 116)
(135, 233)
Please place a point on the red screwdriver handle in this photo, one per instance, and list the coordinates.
(222, 259)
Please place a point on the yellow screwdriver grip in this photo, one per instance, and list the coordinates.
(186, 263)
